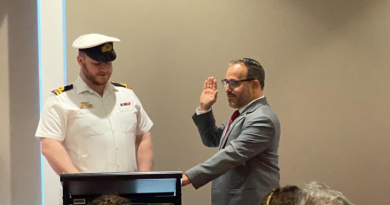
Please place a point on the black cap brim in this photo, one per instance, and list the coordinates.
(102, 53)
(101, 57)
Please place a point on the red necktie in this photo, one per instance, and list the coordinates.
(234, 116)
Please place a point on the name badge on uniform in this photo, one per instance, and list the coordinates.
(125, 104)
(85, 105)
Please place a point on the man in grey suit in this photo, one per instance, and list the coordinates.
(245, 168)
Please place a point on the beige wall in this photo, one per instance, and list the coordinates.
(326, 76)
(19, 104)
(5, 159)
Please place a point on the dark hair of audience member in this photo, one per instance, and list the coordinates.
(288, 195)
(110, 199)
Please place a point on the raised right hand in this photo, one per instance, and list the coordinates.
(209, 93)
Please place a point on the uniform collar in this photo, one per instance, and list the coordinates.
(81, 87)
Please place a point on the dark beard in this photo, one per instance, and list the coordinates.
(90, 77)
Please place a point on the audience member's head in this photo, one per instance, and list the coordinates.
(316, 193)
(288, 195)
(110, 199)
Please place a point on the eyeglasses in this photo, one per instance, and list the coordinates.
(234, 83)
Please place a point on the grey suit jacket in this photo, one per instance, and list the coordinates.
(246, 168)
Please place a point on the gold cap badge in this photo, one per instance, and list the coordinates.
(106, 47)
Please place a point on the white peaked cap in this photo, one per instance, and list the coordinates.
(92, 40)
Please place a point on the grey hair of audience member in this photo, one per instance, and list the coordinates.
(316, 193)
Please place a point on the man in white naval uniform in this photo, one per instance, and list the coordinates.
(94, 125)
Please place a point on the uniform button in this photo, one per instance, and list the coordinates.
(118, 165)
(117, 147)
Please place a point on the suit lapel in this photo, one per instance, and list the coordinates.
(249, 109)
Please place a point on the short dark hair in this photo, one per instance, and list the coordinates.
(255, 70)
(288, 195)
(82, 54)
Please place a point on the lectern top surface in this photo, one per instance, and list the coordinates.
(120, 175)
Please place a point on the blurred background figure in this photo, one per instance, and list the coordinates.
(316, 193)
(288, 195)
(110, 199)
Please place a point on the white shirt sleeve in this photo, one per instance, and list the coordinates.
(199, 112)
(144, 123)
(52, 122)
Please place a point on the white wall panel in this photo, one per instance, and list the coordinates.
(52, 76)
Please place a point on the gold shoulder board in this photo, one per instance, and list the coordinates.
(62, 89)
(121, 85)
